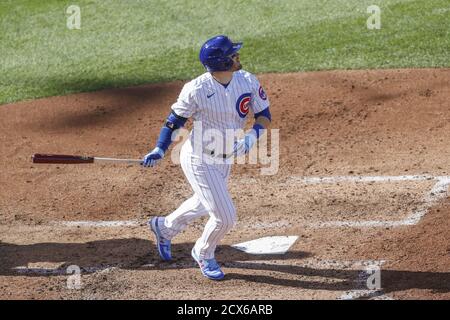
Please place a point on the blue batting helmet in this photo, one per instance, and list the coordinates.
(215, 53)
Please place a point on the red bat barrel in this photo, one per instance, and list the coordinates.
(60, 158)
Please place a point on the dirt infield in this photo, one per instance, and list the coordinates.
(380, 141)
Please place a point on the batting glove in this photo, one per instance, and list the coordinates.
(244, 145)
(152, 158)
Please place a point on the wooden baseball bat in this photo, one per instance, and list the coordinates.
(74, 159)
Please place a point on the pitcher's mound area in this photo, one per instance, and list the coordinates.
(363, 181)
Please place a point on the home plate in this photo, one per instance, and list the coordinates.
(267, 245)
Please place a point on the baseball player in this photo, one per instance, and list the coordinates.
(220, 100)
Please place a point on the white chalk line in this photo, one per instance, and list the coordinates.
(312, 263)
(337, 179)
(98, 224)
(60, 271)
(313, 180)
(362, 292)
(315, 263)
(136, 223)
(365, 294)
(361, 266)
(438, 192)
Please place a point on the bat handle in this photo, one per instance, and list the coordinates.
(130, 161)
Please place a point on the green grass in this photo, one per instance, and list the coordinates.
(131, 42)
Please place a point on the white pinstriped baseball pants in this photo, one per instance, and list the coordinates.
(211, 196)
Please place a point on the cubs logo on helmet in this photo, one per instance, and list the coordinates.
(243, 104)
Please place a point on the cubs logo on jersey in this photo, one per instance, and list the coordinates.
(262, 93)
(243, 104)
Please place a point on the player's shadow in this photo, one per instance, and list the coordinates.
(288, 270)
(58, 256)
(47, 259)
(336, 279)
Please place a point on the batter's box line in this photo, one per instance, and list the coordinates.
(365, 294)
(60, 271)
(438, 192)
(365, 269)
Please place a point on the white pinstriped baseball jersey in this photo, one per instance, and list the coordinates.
(219, 108)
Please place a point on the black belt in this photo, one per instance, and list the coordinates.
(212, 153)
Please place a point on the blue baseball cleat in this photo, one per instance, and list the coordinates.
(162, 243)
(209, 267)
